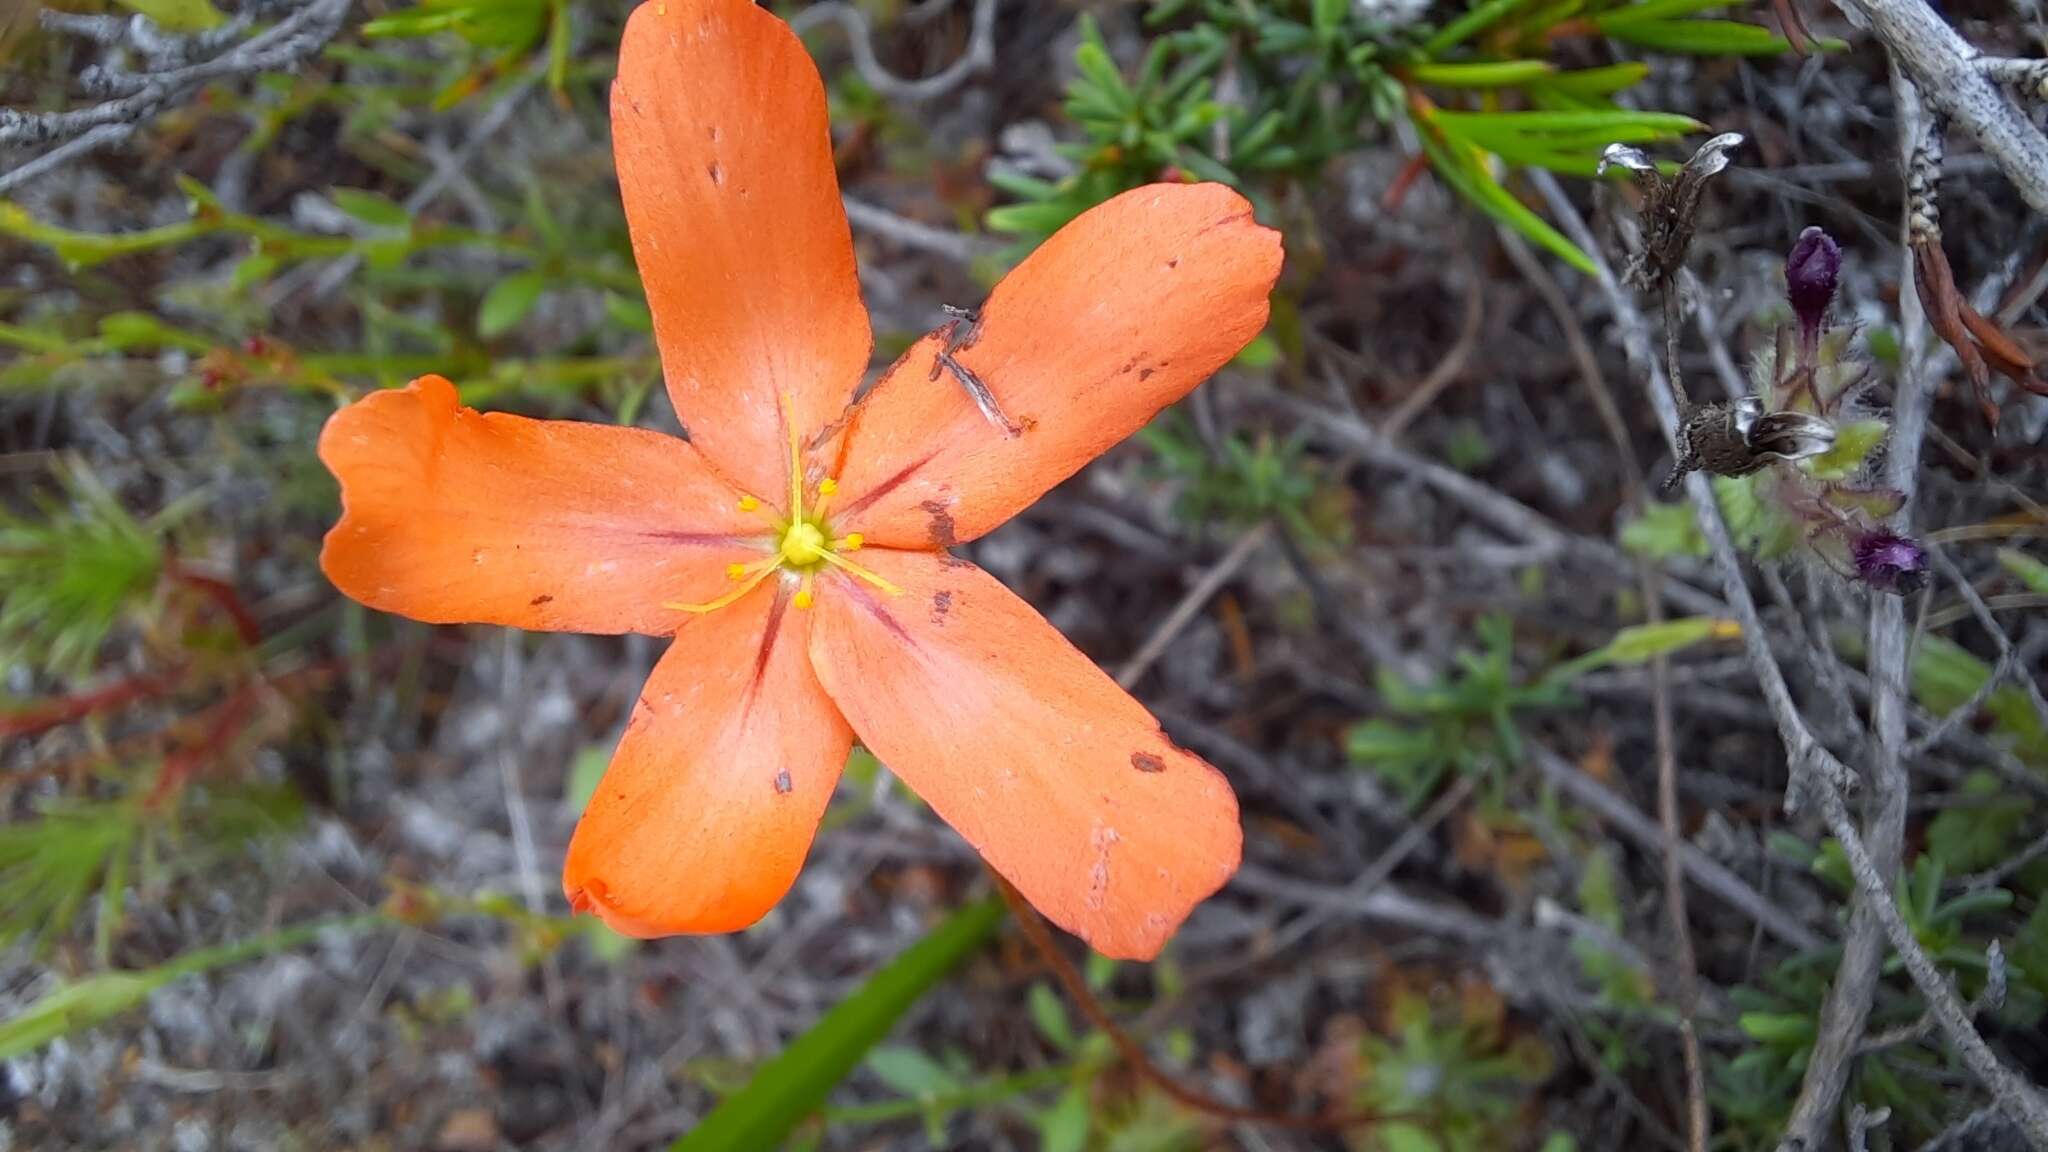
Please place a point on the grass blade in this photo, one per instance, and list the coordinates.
(791, 1086)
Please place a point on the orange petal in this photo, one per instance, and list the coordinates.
(708, 808)
(725, 165)
(1121, 313)
(1061, 780)
(453, 516)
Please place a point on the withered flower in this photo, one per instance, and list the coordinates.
(1669, 206)
(1889, 562)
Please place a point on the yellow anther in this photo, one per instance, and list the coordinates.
(803, 598)
(748, 503)
(827, 486)
(735, 571)
(852, 542)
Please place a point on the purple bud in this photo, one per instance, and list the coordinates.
(1889, 562)
(1810, 273)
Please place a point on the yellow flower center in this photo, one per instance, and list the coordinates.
(801, 542)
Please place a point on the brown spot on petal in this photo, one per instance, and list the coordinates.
(716, 173)
(942, 533)
(537, 601)
(1147, 762)
(942, 603)
(783, 783)
(1145, 374)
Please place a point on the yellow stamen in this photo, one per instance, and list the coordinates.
(748, 503)
(838, 561)
(735, 571)
(851, 542)
(762, 569)
(803, 594)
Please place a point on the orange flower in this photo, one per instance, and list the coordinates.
(795, 544)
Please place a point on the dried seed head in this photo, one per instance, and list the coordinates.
(1790, 435)
(1669, 206)
(1711, 157)
(1624, 156)
(1889, 562)
(1811, 270)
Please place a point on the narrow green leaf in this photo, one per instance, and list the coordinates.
(2030, 571)
(178, 15)
(1702, 37)
(93, 1001)
(1479, 186)
(1653, 10)
(508, 302)
(790, 1087)
(1486, 74)
(1472, 23)
(909, 1071)
(1643, 642)
(1065, 1128)
(1603, 120)
(1050, 1016)
(376, 210)
(1776, 1027)
(1604, 81)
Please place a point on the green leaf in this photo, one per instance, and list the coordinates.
(1946, 675)
(1050, 1016)
(2031, 572)
(1979, 833)
(85, 249)
(1702, 37)
(1262, 352)
(93, 1001)
(371, 208)
(1475, 125)
(790, 1087)
(629, 313)
(909, 1071)
(1472, 23)
(1853, 442)
(1777, 1027)
(1488, 74)
(1065, 1128)
(1653, 10)
(1479, 186)
(508, 302)
(1604, 81)
(1664, 531)
(584, 773)
(178, 15)
(1642, 643)
(1597, 897)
